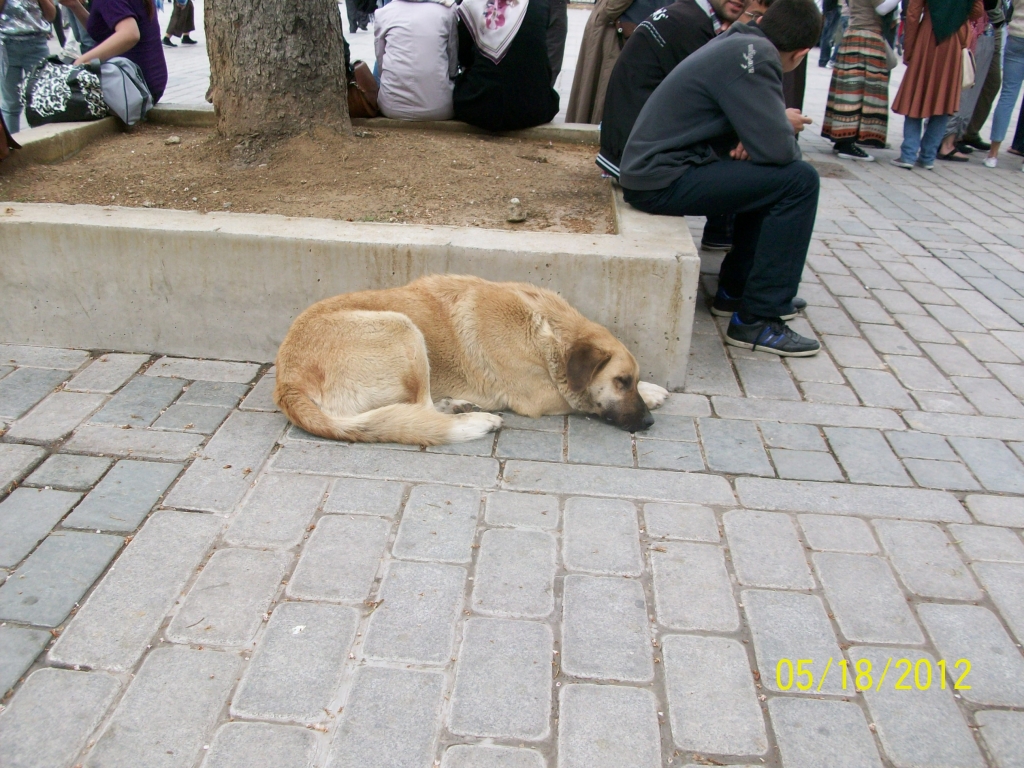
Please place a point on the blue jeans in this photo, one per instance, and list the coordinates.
(1013, 75)
(828, 33)
(924, 148)
(775, 207)
(20, 54)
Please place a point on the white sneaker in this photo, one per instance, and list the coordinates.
(901, 163)
(991, 162)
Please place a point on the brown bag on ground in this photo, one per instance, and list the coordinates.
(8, 143)
(362, 92)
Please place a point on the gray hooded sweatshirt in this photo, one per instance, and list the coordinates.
(729, 90)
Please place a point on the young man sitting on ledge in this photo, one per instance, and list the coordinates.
(715, 138)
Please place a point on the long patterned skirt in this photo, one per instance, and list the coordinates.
(858, 98)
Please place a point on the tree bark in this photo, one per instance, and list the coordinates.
(277, 67)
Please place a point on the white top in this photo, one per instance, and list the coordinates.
(417, 48)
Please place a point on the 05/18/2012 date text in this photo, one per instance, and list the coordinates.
(907, 675)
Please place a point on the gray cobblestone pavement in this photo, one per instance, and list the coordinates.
(186, 581)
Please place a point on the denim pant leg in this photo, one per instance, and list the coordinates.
(1018, 135)
(1013, 75)
(21, 53)
(775, 207)
(911, 146)
(932, 138)
(828, 33)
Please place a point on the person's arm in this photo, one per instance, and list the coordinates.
(126, 36)
(76, 7)
(754, 106)
(379, 44)
(453, 46)
(607, 12)
(49, 10)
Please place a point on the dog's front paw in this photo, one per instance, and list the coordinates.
(652, 394)
(452, 406)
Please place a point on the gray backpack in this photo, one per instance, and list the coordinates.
(125, 90)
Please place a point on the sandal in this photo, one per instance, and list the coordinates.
(954, 156)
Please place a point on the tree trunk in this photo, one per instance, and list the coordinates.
(277, 67)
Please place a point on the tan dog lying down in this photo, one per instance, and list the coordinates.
(367, 366)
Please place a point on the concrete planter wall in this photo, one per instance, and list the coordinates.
(228, 285)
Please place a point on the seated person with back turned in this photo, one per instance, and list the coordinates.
(653, 50)
(714, 138)
(505, 84)
(416, 43)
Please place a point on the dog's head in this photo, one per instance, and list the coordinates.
(602, 376)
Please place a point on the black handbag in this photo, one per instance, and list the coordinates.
(55, 92)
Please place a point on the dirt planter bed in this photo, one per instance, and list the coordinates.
(227, 285)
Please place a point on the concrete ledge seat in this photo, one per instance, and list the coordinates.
(228, 285)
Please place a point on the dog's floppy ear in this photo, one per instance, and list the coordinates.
(583, 363)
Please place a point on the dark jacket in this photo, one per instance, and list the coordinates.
(729, 90)
(516, 93)
(659, 43)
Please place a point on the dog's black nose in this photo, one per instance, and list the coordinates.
(645, 422)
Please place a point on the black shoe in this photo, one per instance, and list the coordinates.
(964, 149)
(710, 242)
(850, 151)
(725, 305)
(167, 42)
(186, 40)
(977, 143)
(770, 336)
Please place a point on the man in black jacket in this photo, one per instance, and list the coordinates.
(653, 50)
(714, 138)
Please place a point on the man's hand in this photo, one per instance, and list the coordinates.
(797, 119)
(739, 153)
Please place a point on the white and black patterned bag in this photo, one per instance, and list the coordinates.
(55, 92)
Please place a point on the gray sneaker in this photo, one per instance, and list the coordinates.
(770, 336)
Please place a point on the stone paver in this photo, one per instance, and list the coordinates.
(18, 649)
(591, 442)
(207, 370)
(1001, 732)
(16, 460)
(168, 711)
(692, 589)
(926, 560)
(352, 496)
(786, 625)
(907, 722)
(607, 726)
(42, 357)
(601, 536)
(522, 510)
(244, 745)
(55, 417)
(689, 522)
(805, 465)
(24, 387)
(711, 698)
(734, 447)
(438, 524)
(215, 394)
(139, 402)
(414, 621)
(226, 604)
(515, 574)
(992, 463)
(984, 542)
(997, 510)
(133, 443)
(832, 733)
(996, 676)
(261, 397)
(503, 680)
(297, 667)
(766, 551)
(50, 719)
(1005, 584)
(838, 534)
(137, 592)
(605, 633)
(62, 470)
(464, 756)
(340, 560)
(106, 373)
(54, 577)
(26, 517)
(202, 419)
(866, 456)
(277, 512)
(865, 598)
(123, 498)
(369, 736)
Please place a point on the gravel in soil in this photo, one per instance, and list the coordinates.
(397, 175)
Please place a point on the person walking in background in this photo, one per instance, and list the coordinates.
(857, 111)
(183, 21)
(24, 29)
(830, 22)
(992, 80)
(1013, 75)
(933, 41)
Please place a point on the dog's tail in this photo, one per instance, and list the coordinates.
(409, 423)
